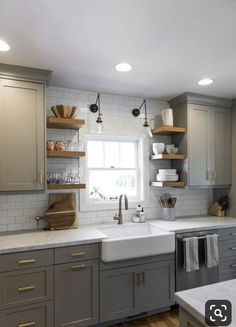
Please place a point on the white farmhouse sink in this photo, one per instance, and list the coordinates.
(134, 241)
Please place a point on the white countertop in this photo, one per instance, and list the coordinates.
(49, 239)
(90, 234)
(195, 223)
(193, 301)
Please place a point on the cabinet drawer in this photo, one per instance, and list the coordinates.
(26, 287)
(227, 248)
(76, 253)
(227, 233)
(22, 260)
(227, 265)
(40, 315)
(228, 276)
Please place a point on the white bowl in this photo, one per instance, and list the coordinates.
(173, 150)
(167, 178)
(167, 171)
(170, 145)
(158, 148)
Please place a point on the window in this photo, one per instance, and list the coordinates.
(113, 168)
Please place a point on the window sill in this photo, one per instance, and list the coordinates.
(109, 206)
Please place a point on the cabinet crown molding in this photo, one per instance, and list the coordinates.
(196, 98)
(23, 72)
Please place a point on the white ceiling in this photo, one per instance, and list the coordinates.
(171, 44)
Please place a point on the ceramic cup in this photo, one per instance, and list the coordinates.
(158, 148)
(167, 117)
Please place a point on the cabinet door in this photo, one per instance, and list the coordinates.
(117, 293)
(198, 155)
(21, 135)
(156, 288)
(76, 294)
(222, 147)
(37, 315)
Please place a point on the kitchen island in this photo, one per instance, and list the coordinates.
(192, 302)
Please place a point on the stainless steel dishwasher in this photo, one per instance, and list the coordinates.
(203, 276)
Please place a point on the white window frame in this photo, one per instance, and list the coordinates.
(86, 205)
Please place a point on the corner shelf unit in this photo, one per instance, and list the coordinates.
(65, 123)
(169, 131)
(65, 154)
(65, 186)
(168, 184)
(166, 156)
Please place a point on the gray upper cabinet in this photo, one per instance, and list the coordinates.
(22, 131)
(209, 146)
(208, 139)
(76, 294)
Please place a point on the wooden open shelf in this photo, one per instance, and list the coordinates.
(168, 156)
(65, 123)
(168, 184)
(65, 186)
(168, 130)
(65, 154)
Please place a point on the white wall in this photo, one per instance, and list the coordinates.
(17, 212)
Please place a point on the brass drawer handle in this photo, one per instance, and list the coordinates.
(27, 324)
(26, 288)
(77, 254)
(26, 261)
(233, 265)
(77, 266)
(142, 279)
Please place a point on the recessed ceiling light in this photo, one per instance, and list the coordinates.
(205, 81)
(123, 67)
(4, 46)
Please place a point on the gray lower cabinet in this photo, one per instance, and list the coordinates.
(26, 289)
(38, 315)
(76, 294)
(118, 293)
(227, 251)
(129, 291)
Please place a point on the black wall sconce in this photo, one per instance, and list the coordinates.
(136, 113)
(95, 107)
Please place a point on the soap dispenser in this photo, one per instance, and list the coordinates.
(142, 216)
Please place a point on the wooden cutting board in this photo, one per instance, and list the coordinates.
(62, 211)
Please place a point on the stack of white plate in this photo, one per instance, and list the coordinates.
(167, 175)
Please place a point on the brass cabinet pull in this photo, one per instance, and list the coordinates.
(26, 288)
(142, 279)
(137, 279)
(41, 177)
(26, 261)
(233, 265)
(28, 324)
(77, 254)
(77, 266)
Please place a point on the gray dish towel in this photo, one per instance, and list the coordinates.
(211, 251)
(191, 259)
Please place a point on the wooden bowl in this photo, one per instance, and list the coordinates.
(65, 111)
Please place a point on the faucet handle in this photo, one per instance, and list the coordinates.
(116, 217)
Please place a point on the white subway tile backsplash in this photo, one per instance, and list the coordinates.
(17, 212)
